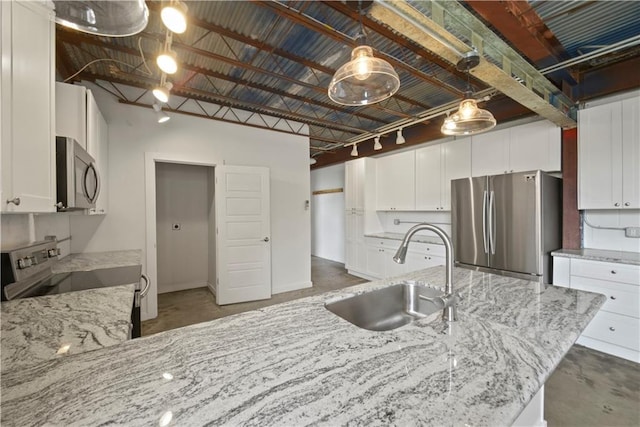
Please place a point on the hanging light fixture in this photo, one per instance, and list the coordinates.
(167, 61)
(162, 92)
(103, 18)
(469, 119)
(376, 143)
(161, 115)
(174, 16)
(400, 138)
(354, 150)
(365, 79)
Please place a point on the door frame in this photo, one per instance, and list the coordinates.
(149, 309)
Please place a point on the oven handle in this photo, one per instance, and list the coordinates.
(143, 293)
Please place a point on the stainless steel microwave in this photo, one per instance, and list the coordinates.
(77, 176)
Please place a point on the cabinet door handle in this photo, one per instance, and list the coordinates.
(614, 272)
(15, 201)
(612, 329)
(612, 297)
(627, 203)
(616, 204)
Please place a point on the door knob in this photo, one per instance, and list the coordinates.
(15, 201)
(266, 239)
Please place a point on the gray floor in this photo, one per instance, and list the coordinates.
(588, 388)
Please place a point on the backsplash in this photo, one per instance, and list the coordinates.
(409, 219)
(609, 238)
(17, 229)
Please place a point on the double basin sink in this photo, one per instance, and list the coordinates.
(390, 307)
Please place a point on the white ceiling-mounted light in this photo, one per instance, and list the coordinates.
(400, 138)
(354, 150)
(162, 92)
(469, 119)
(365, 79)
(161, 115)
(103, 18)
(376, 143)
(174, 17)
(167, 61)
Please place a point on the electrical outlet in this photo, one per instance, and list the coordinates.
(632, 232)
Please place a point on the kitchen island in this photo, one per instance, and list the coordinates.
(296, 363)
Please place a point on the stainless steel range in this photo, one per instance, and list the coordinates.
(27, 272)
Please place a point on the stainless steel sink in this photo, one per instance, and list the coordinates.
(387, 308)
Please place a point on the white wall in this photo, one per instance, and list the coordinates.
(327, 214)
(441, 219)
(133, 131)
(615, 240)
(183, 254)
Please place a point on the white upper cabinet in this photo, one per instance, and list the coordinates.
(27, 107)
(436, 166)
(98, 147)
(354, 184)
(609, 156)
(395, 182)
(71, 112)
(521, 148)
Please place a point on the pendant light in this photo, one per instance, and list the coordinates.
(376, 143)
(162, 92)
(161, 115)
(103, 18)
(469, 119)
(174, 16)
(365, 79)
(354, 150)
(400, 138)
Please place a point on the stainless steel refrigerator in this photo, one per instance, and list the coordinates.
(507, 224)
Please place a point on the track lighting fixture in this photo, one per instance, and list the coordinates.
(365, 79)
(167, 61)
(376, 143)
(354, 150)
(161, 115)
(312, 160)
(400, 138)
(174, 16)
(469, 119)
(162, 92)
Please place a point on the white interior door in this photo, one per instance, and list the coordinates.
(243, 250)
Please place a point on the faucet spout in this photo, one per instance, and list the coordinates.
(449, 313)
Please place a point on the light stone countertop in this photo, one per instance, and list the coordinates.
(35, 329)
(97, 260)
(296, 363)
(621, 257)
(399, 236)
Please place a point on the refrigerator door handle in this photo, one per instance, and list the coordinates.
(484, 222)
(492, 218)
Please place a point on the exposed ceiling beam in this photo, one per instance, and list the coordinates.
(535, 92)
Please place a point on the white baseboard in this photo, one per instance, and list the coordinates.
(183, 287)
(212, 288)
(362, 275)
(291, 287)
(612, 349)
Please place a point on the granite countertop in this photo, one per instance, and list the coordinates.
(96, 260)
(399, 236)
(621, 257)
(34, 330)
(296, 363)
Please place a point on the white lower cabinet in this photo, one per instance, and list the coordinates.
(380, 252)
(616, 327)
(355, 259)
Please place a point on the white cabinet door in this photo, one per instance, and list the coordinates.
(71, 112)
(98, 147)
(354, 184)
(429, 178)
(350, 242)
(490, 153)
(395, 182)
(456, 162)
(631, 153)
(27, 108)
(375, 261)
(600, 157)
(535, 146)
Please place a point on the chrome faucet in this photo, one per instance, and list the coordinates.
(449, 300)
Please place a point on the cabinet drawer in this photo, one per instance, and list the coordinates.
(621, 298)
(615, 329)
(622, 273)
(383, 243)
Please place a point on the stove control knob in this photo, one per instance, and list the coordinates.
(24, 263)
(53, 253)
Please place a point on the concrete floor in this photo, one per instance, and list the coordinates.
(588, 388)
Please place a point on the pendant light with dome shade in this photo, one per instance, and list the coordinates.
(469, 119)
(103, 18)
(365, 79)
